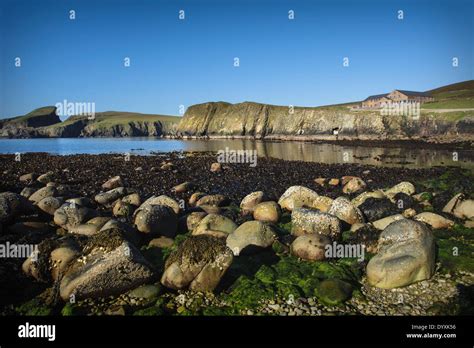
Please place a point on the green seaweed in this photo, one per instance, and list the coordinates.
(34, 307)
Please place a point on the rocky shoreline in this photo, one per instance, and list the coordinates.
(179, 234)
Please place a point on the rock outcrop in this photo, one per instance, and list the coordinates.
(249, 119)
(45, 123)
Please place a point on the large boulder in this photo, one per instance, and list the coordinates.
(47, 191)
(157, 220)
(267, 212)
(198, 264)
(406, 255)
(346, 211)
(161, 200)
(307, 221)
(49, 205)
(13, 205)
(70, 215)
(249, 202)
(215, 225)
(297, 197)
(251, 236)
(310, 246)
(103, 272)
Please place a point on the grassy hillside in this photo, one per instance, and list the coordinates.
(46, 110)
(456, 96)
(112, 118)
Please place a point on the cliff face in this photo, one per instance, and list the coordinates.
(107, 124)
(268, 121)
(24, 126)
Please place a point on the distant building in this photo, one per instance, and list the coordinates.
(396, 96)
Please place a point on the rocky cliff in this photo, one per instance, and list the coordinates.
(23, 126)
(105, 124)
(249, 119)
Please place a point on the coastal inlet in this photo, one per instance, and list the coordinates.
(178, 233)
(390, 154)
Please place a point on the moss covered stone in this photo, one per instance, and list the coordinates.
(333, 291)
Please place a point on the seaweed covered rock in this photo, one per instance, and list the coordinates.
(406, 255)
(215, 225)
(251, 236)
(110, 266)
(334, 291)
(198, 264)
(307, 221)
(13, 205)
(404, 201)
(157, 220)
(346, 211)
(297, 197)
(310, 246)
(376, 209)
(366, 235)
(50, 259)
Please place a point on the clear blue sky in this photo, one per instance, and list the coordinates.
(176, 62)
